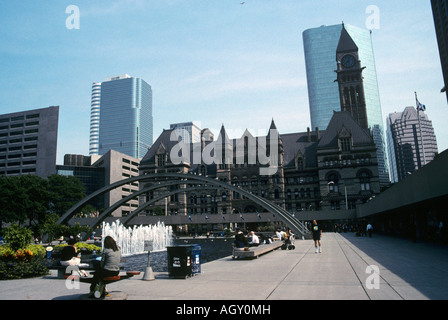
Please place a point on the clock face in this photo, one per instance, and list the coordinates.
(348, 61)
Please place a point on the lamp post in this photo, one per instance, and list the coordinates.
(345, 193)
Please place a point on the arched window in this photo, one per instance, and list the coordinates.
(364, 180)
(346, 96)
(359, 95)
(300, 164)
(352, 95)
(276, 194)
(333, 183)
(345, 143)
(161, 158)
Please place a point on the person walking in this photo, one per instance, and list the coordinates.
(317, 235)
(369, 230)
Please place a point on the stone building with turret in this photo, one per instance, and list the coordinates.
(335, 169)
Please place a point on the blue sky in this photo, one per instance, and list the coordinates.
(213, 61)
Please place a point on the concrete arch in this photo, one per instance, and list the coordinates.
(119, 203)
(294, 224)
(148, 203)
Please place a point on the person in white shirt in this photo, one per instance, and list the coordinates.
(278, 235)
(255, 241)
(369, 230)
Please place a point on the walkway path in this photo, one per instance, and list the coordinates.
(407, 271)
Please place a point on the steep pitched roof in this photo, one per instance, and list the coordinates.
(294, 143)
(343, 122)
(346, 43)
(163, 141)
(222, 137)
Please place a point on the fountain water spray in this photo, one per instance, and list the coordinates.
(131, 240)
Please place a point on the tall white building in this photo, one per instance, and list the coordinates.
(95, 119)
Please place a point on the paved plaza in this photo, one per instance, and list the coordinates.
(349, 268)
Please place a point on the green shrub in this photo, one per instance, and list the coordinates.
(87, 247)
(17, 237)
(22, 263)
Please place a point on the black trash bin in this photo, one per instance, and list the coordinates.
(184, 261)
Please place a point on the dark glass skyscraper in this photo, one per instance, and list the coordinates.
(440, 13)
(125, 117)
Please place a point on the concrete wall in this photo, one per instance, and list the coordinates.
(428, 183)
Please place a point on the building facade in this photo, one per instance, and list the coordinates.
(28, 142)
(188, 131)
(95, 172)
(95, 104)
(322, 60)
(124, 122)
(440, 14)
(334, 169)
(411, 142)
(350, 79)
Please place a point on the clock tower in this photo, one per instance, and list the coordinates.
(350, 80)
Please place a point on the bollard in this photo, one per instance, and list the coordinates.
(149, 275)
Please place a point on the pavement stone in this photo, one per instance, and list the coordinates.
(407, 271)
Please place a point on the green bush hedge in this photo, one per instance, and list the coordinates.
(22, 263)
(80, 246)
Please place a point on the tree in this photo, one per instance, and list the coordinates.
(12, 200)
(158, 211)
(50, 227)
(36, 197)
(23, 197)
(64, 191)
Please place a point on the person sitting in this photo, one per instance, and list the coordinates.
(109, 265)
(255, 241)
(240, 241)
(278, 235)
(70, 256)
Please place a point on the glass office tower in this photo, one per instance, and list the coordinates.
(125, 121)
(320, 46)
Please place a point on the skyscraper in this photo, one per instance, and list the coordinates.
(411, 143)
(95, 119)
(125, 116)
(28, 142)
(190, 132)
(321, 47)
(440, 14)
